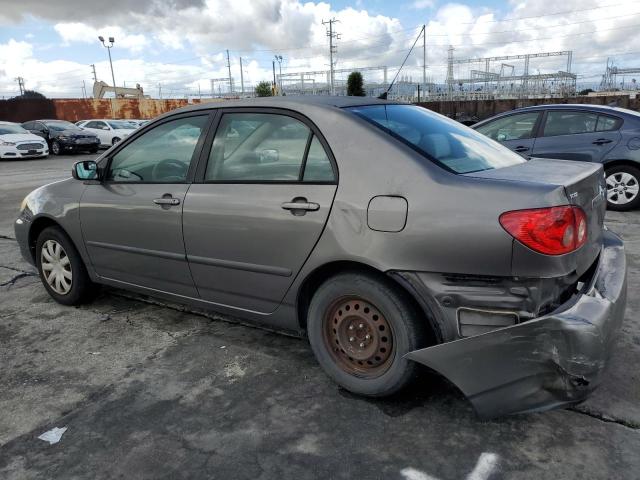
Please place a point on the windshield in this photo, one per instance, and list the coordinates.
(117, 124)
(61, 126)
(9, 129)
(444, 141)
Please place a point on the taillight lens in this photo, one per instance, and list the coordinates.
(552, 231)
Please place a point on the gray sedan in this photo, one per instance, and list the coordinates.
(588, 133)
(390, 236)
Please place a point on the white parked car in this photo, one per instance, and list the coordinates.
(138, 123)
(109, 132)
(16, 142)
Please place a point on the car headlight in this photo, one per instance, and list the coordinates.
(7, 144)
(23, 205)
(63, 138)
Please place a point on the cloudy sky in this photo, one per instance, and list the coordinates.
(181, 44)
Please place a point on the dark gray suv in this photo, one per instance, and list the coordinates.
(589, 133)
(389, 235)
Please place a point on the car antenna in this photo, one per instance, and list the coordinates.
(384, 95)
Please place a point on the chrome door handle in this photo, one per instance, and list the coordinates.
(308, 206)
(167, 201)
(602, 141)
(520, 149)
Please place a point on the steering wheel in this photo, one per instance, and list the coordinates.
(169, 170)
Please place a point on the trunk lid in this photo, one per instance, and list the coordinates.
(584, 186)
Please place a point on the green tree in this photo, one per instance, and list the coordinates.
(31, 94)
(354, 85)
(263, 89)
(586, 91)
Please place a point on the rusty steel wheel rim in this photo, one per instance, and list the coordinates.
(358, 337)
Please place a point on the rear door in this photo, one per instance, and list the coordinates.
(577, 135)
(263, 199)
(516, 132)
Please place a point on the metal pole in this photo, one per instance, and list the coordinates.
(113, 78)
(241, 78)
(331, 55)
(230, 79)
(273, 64)
(424, 55)
(281, 89)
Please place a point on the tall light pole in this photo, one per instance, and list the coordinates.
(109, 47)
(279, 59)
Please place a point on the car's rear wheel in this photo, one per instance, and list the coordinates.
(360, 327)
(623, 187)
(56, 149)
(61, 268)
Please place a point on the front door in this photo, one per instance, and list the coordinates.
(132, 220)
(259, 209)
(577, 135)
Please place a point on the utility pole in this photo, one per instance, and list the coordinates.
(20, 81)
(95, 77)
(241, 78)
(332, 49)
(279, 60)
(84, 89)
(160, 91)
(230, 80)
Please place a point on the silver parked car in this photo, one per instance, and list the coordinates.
(389, 235)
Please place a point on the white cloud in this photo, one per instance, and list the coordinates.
(422, 4)
(79, 32)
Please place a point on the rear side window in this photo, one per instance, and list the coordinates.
(608, 124)
(444, 141)
(266, 147)
(513, 127)
(569, 123)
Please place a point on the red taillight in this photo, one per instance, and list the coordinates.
(552, 231)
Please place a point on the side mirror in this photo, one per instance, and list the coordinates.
(85, 170)
(269, 156)
(502, 137)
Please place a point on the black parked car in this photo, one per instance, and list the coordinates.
(591, 133)
(63, 136)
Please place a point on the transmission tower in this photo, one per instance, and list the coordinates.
(331, 33)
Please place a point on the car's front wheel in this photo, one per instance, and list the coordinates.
(56, 149)
(360, 327)
(115, 140)
(623, 187)
(61, 268)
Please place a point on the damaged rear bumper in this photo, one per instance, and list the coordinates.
(547, 362)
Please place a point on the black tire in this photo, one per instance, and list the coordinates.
(93, 150)
(82, 289)
(114, 140)
(56, 149)
(408, 333)
(617, 173)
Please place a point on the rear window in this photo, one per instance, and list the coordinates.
(444, 141)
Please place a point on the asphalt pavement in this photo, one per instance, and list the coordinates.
(147, 389)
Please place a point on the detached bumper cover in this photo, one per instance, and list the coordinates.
(546, 362)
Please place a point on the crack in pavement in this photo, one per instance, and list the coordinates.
(17, 277)
(605, 418)
(6, 237)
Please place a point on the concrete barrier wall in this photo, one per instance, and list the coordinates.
(22, 110)
(481, 109)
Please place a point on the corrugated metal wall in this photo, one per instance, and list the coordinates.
(22, 110)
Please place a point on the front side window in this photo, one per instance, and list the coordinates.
(569, 123)
(97, 125)
(513, 127)
(442, 140)
(161, 155)
(258, 147)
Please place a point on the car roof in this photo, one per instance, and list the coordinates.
(289, 101)
(8, 123)
(570, 106)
